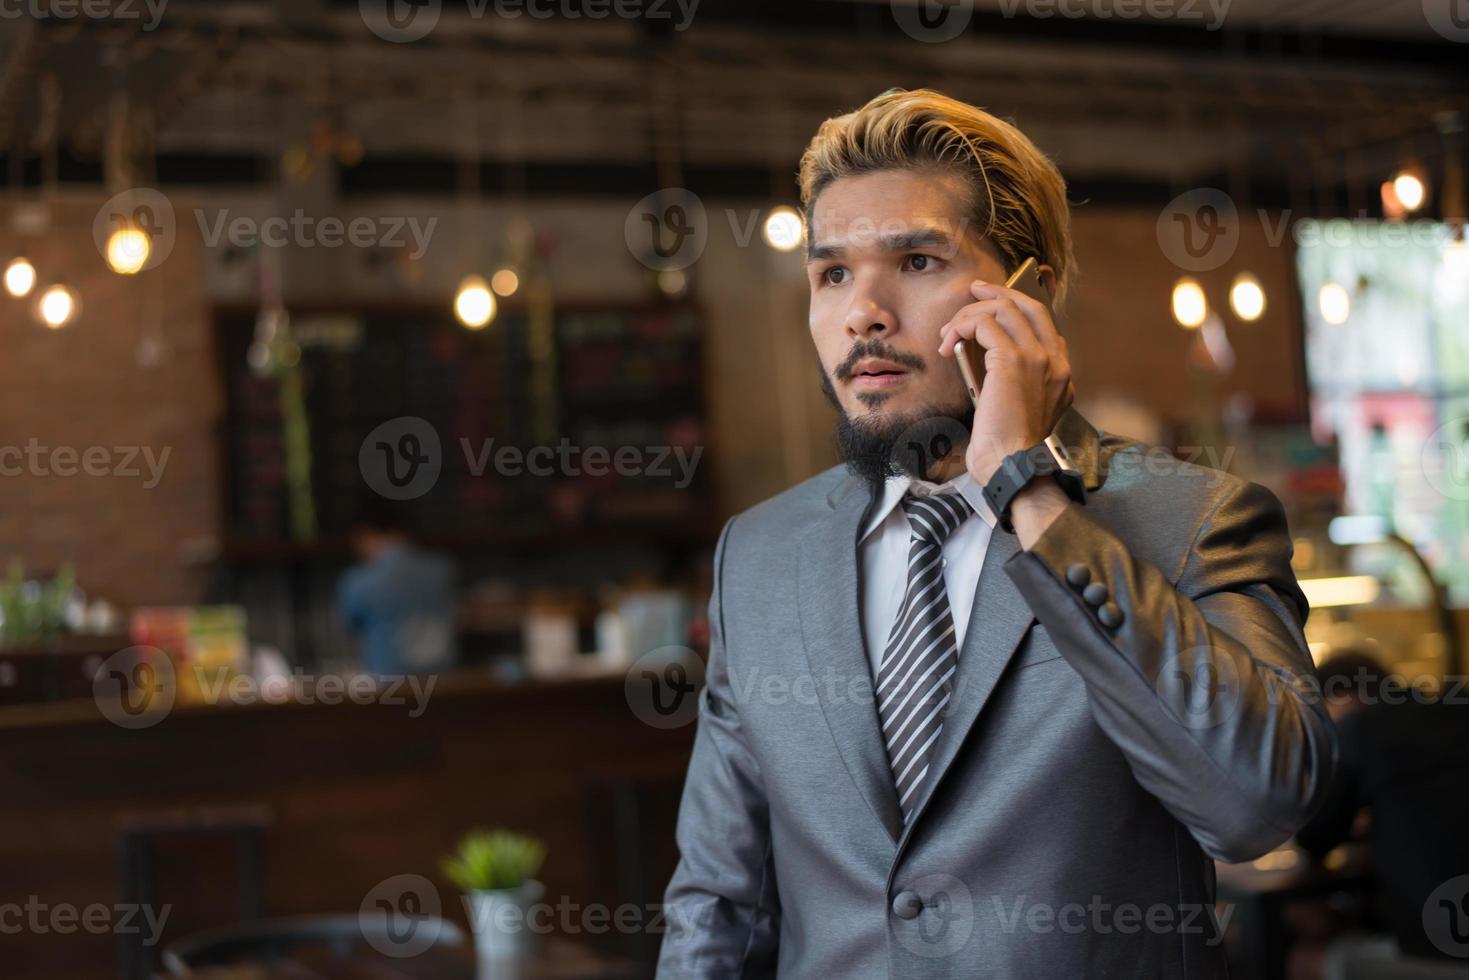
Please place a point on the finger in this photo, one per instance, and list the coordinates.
(1038, 314)
(974, 326)
(1010, 320)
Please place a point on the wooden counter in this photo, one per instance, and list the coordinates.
(352, 794)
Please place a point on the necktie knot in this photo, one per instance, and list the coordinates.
(936, 517)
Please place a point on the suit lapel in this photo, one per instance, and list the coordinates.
(828, 598)
(999, 619)
(831, 628)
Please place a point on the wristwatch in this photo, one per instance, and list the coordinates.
(1044, 459)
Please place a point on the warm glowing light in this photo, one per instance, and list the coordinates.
(505, 282)
(128, 249)
(672, 282)
(1190, 306)
(783, 229)
(56, 307)
(1342, 590)
(474, 304)
(1409, 190)
(1247, 297)
(1335, 303)
(20, 277)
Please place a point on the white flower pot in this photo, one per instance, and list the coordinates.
(502, 922)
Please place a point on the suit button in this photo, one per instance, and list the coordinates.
(1078, 574)
(1095, 594)
(1110, 615)
(907, 905)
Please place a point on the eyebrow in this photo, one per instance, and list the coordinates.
(890, 242)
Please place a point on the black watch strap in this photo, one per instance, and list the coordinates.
(1018, 470)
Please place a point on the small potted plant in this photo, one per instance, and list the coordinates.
(496, 868)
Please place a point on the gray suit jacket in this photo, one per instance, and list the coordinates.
(1086, 774)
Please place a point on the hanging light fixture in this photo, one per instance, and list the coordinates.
(783, 229)
(128, 248)
(1410, 190)
(1190, 306)
(505, 281)
(57, 306)
(20, 277)
(1247, 297)
(474, 304)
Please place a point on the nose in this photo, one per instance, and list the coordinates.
(868, 316)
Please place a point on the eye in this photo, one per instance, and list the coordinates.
(919, 262)
(832, 276)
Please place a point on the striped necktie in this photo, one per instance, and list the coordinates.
(922, 652)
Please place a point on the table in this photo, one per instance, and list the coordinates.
(559, 960)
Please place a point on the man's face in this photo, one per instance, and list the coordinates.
(891, 260)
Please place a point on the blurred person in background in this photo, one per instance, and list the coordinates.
(398, 602)
(1401, 773)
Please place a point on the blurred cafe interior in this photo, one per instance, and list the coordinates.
(377, 377)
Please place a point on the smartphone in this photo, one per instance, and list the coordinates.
(1026, 280)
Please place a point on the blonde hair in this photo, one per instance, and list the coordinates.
(1020, 196)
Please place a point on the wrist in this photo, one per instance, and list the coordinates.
(1034, 509)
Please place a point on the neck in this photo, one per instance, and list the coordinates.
(944, 470)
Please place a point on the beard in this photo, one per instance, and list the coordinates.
(877, 445)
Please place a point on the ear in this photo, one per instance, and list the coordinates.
(1048, 277)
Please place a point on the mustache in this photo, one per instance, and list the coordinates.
(875, 348)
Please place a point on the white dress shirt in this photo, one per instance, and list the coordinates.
(884, 553)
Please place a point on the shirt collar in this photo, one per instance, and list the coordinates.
(895, 487)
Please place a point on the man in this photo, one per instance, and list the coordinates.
(399, 601)
(1023, 772)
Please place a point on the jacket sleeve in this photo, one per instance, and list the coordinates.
(1205, 684)
(721, 910)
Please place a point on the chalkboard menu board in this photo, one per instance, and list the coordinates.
(608, 435)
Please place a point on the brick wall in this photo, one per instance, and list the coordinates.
(82, 389)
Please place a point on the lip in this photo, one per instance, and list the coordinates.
(877, 372)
